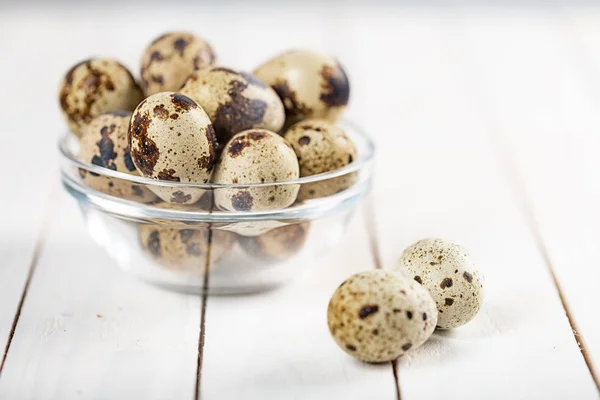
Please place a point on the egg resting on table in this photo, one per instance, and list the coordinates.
(104, 143)
(171, 58)
(256, 156)
(321, 147)
(94, 87)
(449, 273)
(172, 139)
(234, 101)
(377, 315)
(310, 84)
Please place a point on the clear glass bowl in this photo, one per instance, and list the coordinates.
(198, 247)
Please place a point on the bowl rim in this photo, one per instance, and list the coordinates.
(364, 158)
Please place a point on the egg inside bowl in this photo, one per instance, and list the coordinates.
(201, 247)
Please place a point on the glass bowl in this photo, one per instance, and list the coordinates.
(201, 248)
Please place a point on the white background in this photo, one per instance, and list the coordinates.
(487, 121)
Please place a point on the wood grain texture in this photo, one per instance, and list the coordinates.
(446, 181)
(28, 172)
(277, 345)
(88, 330)
(549, 139)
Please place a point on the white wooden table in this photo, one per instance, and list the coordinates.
(488, 126)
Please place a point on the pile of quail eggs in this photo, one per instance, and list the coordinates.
(379, 315)
(191, 120)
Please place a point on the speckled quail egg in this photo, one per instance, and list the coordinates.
(171, 58)
(95, 87)
(172, 139)
(256, 156)
(310, 84)
(449, 273)
(377, 315)
(278, 244)
(235, 101)
(104, 143)
(185, 249)
(321, 147)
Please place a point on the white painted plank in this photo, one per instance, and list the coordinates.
(89, 330)
(27, 163)
(277, 345)
(439, 176)
(551, 134)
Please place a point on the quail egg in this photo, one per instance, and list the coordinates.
(310, 84)
(256, 156)
(171, 58)
(278, 244)
(321, 147)
(235, 101)
(449, 273)
(185, 249)
(95, 87)
(377, 315)
(172, 139)
(104, 143)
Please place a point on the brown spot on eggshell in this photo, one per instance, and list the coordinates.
(237, 145)
(182, 103)
(137, 190)
(468, 277)
(154, 244)
(351, 347)
(256, 135)
(335, 89)
(294, 109)
(304, 140)
(239, 114)
(406, 346)
(146, 154)
(367, 310)
(242, 201)
(161, 112)
(180, 197)
(127, 160)
(168, 175)
(180, 45)
(446, 283)
(158, 79)
(418, 279)
(448, 301)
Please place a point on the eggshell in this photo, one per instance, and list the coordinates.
(448, 272)
(377, 315)
(94, 87)
(278, 244)
(185, 249)
(172, 139)
(310, 84)
(256, 156)
(171, 58)
(235, 101)
(104, 143)
(321, 147)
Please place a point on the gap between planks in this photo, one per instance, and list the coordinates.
(39, 243)
(202, 332)
(503, 152)
(371, 226)
(527, 209)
